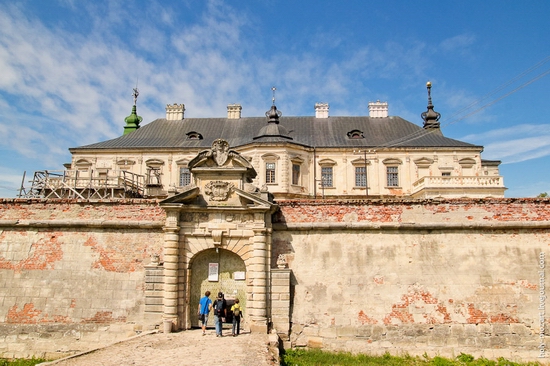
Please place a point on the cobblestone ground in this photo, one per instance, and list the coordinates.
(183, 348)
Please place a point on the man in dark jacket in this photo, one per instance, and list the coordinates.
(220, 312)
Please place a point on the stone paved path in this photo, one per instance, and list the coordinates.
(183, 348)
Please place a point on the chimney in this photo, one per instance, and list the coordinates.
(234, 111)
(321, 110)
(175, 112)
(378, 109)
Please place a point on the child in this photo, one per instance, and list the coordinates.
(237, 313)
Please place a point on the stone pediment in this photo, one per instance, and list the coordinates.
(221, 180)
(220, 158)
(248, 200)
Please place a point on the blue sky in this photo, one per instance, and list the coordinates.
(67, 69)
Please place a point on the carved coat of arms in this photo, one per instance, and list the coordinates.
(220, 151)
(218, 190)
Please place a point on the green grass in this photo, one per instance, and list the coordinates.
(301, 357)
(21, 361)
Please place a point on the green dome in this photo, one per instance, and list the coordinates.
(132, 121)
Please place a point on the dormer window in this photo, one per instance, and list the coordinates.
(355, 134)
(194, 135)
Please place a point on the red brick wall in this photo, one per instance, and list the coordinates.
(394, 211)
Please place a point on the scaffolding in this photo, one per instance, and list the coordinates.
(84, 184)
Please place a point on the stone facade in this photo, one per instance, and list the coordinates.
(420, 172)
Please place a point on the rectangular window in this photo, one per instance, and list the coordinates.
(446, 174)
(393, 176)
(185, 177)
(360, 176)
(270, 172)
(295, 174)
(326, 176)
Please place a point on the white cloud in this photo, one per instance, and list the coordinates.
(458, 43)
(515, 144)
(69, 88)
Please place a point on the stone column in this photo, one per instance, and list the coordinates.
(257, 298)
(171, 255)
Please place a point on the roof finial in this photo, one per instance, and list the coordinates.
(273, 114)
(430, 117)
(429, 86)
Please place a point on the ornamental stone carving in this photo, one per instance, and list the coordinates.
(220, 156)
(281, 261)
(218, 190)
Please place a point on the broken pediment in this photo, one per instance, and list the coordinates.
(220, 158)
(226, 197)
(222, 179)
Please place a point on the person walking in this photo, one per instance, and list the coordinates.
(237, 314)
(205, 305)
(220, 312)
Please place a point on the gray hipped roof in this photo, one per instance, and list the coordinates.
(306, 131)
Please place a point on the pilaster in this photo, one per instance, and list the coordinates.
(257, 274)
(171, 266)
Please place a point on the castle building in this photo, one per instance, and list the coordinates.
(297, 157)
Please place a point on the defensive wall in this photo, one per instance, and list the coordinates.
(441, 277)
(72, 273)
(419, 276)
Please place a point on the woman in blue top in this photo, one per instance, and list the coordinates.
(205, 305)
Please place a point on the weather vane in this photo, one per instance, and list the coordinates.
(273, 99)
(135, 94)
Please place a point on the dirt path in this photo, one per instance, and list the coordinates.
(183, 348)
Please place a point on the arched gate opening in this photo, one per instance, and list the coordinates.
(217, 270)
